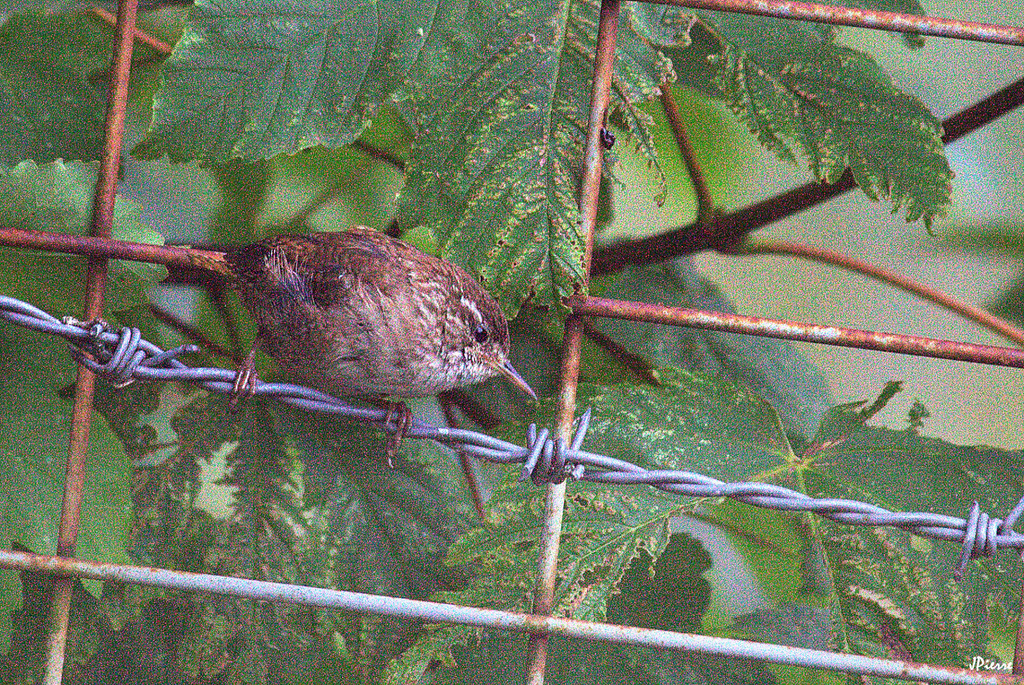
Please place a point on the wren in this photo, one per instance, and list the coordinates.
(360, 313)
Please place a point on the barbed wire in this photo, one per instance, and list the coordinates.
(123, 357)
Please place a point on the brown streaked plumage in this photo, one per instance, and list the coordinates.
(360, 313)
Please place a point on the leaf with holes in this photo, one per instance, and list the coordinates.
(498, 94)
(892, 594)
(804, 95)
(692, 422)
(501, 98)
(302, 499)
(796, 88)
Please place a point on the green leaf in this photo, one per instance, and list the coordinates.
(49, 107)
(774, 369)
(889, 593)
(58, 197)
(34, 424)
(692, 422)
(502, 100)
(256, 78)
(669, 595)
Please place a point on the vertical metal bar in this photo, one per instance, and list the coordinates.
(1018, 648)
(96, 278)
(547, 562)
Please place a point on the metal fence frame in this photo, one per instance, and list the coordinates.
(721, 232)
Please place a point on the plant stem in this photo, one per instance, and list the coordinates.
(818, 254)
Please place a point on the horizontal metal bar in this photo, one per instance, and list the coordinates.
(502, 620)
(804, 332)
(862, 18)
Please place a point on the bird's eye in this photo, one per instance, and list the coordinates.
(481, 334)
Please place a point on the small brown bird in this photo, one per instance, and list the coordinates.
(360, 313)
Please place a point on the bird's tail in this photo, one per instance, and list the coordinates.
(211, 261)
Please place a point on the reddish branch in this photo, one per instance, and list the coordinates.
(637, 364)
(472, 482)
(729, 230)
(845, 261)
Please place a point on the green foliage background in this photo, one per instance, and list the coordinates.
(482, 107)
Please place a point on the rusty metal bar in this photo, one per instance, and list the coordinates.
(435, 612)
(95, 288)
(590, 187)
(862, 18)
(1018, 646)
(91, 246)
(140, 36)
(803, 332)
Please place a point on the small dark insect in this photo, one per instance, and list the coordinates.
(607, 138)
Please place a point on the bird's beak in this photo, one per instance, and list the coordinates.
(506, 370)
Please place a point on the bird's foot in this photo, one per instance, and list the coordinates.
(245, 380)
(403, 417)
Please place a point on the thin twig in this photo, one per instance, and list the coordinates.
(818, 254)
(639, 365)
(140, 35)
(472, 409)
(472, 482)
(378, 153)
(705, 203)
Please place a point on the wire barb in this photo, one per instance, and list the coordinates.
(124, 357)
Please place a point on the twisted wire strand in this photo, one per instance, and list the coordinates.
(124, 356)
